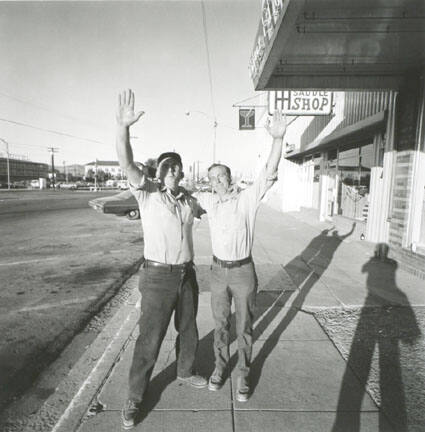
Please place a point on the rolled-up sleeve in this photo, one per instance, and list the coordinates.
(261, 185)
(145, 187)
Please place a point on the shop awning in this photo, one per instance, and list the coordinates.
(338, 44)
(345, 137)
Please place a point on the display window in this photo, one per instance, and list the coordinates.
(354, 169)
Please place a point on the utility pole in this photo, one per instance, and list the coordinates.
(52, 151)
(7, 157)
(197, 172)
(64, 172)
(95, 176)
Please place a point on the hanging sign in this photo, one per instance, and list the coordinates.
(301, 102)
(246, 118)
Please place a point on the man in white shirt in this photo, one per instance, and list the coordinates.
(167, 277)
(231, 215)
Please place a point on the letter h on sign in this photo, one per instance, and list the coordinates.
(246, 119)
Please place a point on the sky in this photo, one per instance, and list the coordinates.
(64, 63)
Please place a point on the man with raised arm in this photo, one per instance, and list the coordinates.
(231, 215)
(167, 277)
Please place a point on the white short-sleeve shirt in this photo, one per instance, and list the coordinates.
(167, 222)
(232, 219)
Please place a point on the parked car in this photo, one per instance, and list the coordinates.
(122, 204)
(122, 184)
(69, 186)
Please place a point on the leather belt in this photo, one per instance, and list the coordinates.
(232, 264)
(169, 267)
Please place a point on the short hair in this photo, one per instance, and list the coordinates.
(214, 165)
(172, 155)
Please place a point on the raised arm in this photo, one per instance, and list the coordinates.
(276, 129)
(125, 118)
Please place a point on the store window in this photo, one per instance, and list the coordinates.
(317, 167)
(317, 160)
(354, 169)
(422, 232)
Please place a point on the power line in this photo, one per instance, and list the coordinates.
(237, 104)
(50, 131)
(204, 20)
(25, 102)
(16, 143)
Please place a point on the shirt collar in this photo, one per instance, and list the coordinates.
(181, 192)
(232, 193)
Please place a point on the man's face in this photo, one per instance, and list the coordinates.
(170, 173)
(219, 179)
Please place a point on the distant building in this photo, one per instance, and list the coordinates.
(72, 170)
(108, 167)
(22, 170)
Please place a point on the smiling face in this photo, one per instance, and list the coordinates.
(219, 179)
(170, 173)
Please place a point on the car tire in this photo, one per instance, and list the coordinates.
(133, 214)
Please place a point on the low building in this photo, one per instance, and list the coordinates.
(108, 167)
(22, 170)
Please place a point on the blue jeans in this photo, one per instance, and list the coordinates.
(164, 291)
(239, 283)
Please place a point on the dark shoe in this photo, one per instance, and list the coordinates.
(129, 413)
(215, 382)
(242, 390)
(196, 381)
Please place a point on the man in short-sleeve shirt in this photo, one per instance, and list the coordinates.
(231, 215)
(167, 277)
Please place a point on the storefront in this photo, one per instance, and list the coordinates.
(372, 169)
(341, 159)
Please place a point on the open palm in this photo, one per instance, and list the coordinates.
(126, 116)
(277, 127)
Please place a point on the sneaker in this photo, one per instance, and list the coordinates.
(242, 390)
(196, 381)
(215, 382)
(129, 413)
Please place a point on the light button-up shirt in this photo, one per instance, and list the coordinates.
(232, 218)
(167, 222)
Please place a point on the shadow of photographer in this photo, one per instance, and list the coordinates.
(385, 320)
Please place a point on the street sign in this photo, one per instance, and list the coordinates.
(246, 118)
(301, 102)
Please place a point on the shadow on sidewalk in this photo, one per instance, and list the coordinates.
(305, 270)
(380, 328)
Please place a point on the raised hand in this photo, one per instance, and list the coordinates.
(277, 128)
(125, 112)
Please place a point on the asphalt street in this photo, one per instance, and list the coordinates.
(60, 262)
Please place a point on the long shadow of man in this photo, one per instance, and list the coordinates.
(385, 320)
(305, 270)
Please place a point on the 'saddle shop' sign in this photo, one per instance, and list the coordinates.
(301, 102)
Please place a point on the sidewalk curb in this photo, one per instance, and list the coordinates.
(64, 410)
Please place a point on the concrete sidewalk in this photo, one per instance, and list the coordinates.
(313, 287)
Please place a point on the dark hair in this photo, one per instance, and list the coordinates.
(214, 165)
(172, 155)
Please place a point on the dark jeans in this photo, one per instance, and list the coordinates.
(164, 291)
(239, 283)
